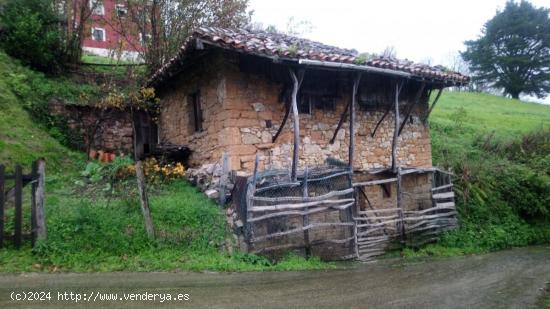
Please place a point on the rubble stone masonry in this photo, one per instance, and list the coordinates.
(238, 108)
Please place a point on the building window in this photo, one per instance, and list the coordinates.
(195, 116)
(324, 103)
(97, 7)
(121, 10)
(144, 39)
(386, 190)
(98, 34)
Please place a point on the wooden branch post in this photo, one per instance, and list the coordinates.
(2, 202)
(285, 118)
(433, 105)
(401, 225)
(306, 217)
(411, 107)
(18, 217)
(352, 119)
(144, 201)
(395, 131)
(224, 178)
(296, 80)
(38, 192)
(340, 122)
(34, 185)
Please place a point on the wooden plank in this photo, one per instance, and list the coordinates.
(18, 217)
(442, 187)
(300, 229)
(299, 205)
(382, 210)
(443, 195)
(144, 201)
(301, 199)
(39, 196)
(447, 204)
(374, 182)
(2, 202)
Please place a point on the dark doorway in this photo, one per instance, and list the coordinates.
(145, 135)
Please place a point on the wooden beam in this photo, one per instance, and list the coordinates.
(411, 107)
(381, 119)
(352, 119)
(144, 201)
(433, 105)
(297, 80)
(285, 118)
(305, 218)
(41, 231)
(396, 129)
(18, 216)
(342, 118)
(401, 226)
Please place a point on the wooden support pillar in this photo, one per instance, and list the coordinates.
(2, 202)
(144, 200)
(433, 105)
(395, 131)
(342, 118)
(224, 179)
(401, 225)
(411, 107)
(296, 80)
(306, 217)
(352, 119)
(39, 197)
(18, 217)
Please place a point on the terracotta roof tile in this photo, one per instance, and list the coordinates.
(293, 48)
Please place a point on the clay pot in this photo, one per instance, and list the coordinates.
(93, 154)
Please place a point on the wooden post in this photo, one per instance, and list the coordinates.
(255, 175)
(39, 198)
(433, 105)
(401, 225)
(381, 119)
(396, 130)
(411, 107)
(144, 201)
(340, 122)
(34, 185)
(352, 119)
(297, 80)
(306, 217)
(285, 118)
(2, 202)
(18, 217)
(224, 177)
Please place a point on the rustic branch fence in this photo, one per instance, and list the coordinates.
(312, 214)
(15, 194)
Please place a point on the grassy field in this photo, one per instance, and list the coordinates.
(93, 229)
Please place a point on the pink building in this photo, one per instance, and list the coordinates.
(107, 35)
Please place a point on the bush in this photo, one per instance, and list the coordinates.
(31, 32)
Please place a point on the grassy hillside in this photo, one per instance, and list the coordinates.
(486, 113)
(22, 138)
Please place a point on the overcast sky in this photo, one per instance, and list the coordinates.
(420, 30)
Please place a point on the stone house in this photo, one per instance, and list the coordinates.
(292, 103)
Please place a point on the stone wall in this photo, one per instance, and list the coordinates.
(114, 133)
(242, 112)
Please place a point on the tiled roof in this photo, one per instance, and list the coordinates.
(292, 48)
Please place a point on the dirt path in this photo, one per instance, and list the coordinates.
(507, 279)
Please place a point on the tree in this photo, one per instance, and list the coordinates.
(30, 32)
(163, 25)
(513, 52)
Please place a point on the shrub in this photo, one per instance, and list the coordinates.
(31, 33)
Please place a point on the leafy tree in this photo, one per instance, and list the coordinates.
(513, 52)
(163, 25)
(31, 32)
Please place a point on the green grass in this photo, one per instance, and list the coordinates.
(22, 139)
(498, 149)
(97, 234)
